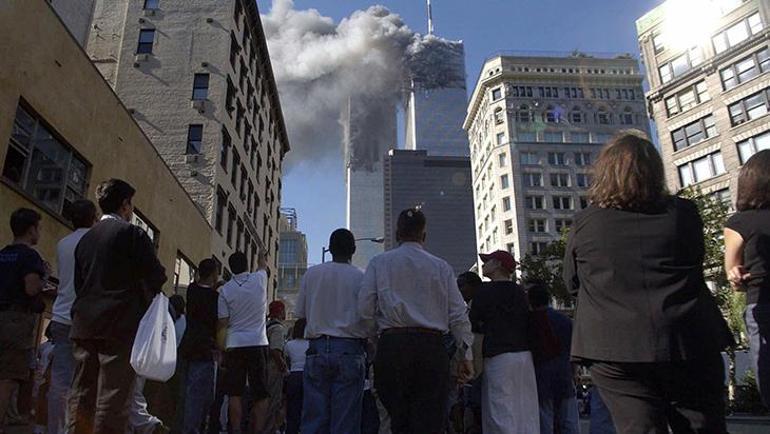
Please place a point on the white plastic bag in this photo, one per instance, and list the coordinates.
(154, 353)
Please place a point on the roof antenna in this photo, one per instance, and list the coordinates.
(430, 19)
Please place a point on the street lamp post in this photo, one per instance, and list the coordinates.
(378, 240)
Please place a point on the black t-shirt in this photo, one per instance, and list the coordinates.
(754, 228)
(199, 339)
(500, 311)
(16, 262)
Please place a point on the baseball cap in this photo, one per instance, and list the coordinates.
(505, 259)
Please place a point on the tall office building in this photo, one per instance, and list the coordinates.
(369, 130)
(292, 258)
(196, 75)
(436, 99)
(441, 187)
(709, 89)
(535, 124)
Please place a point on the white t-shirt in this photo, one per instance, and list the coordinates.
(244, 301)
(65, 260)
(296, 350)
(328, 299)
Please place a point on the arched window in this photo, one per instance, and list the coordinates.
(523, 114)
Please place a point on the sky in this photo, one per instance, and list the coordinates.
(316, 189)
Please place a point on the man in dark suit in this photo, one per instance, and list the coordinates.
(116, 275)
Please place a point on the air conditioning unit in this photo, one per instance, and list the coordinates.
(191, 159)
(142, 57)
(199, 104)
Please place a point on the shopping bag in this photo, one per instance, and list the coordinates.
(154, 353)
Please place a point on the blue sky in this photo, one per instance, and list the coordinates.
(486, 27)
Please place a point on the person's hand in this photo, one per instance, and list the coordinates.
(738, 276)
(465, 371)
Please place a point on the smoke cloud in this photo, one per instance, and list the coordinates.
(320, 66)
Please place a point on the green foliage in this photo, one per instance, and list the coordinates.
(547, 267)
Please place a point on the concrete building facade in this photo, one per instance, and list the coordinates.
(292, 258)
(196, 76)
(441, 187)
(709, 96)
(535, 125)
(59, 138)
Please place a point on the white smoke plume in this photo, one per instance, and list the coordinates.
(321, 65)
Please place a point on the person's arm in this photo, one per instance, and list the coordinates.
(367, 296)
(276, 340)
(33, 284)
(460, 326)
(223, 322)
(34, 270)
(736, 273)
(569, 271)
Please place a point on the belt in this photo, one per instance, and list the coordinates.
(327, 337)
(412, 331)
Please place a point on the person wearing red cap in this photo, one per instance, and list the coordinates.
(500, 311)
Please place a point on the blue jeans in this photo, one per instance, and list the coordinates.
(757, 317)
(333, 386)
(199, 394)
(561, 413)
(601, 420)
(62, 371)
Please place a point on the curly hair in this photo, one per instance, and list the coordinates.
(754, 183)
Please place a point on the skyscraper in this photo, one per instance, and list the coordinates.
(709, 89)
(292, 258)
(437, 98)
(535, 124)
(369, 130)
(196, 75)
(441, 187)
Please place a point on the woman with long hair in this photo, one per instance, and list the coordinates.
(747, 260)
(646, 323)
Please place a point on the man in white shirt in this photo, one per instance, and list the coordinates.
(242, 313)
(82, 214)
(413, 297)
(336, 366)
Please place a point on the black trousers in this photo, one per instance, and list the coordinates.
(103, 383)
(651, 397)
(411, 375)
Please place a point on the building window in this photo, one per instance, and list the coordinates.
(239, 235)
(497, 94)
(152, 4)
(501, 159)
(41, 164)
(139, 220)
(224, 152)
(499, 116)
(582, 158)
(527, 137)
(184, 273)
(537, 225)
(747, 148)
(200, 87)
(745, 69)
(219, 216)
(533, 179)
(537, 248)
(523, 114)
(234, 49)
(694, 133)
(701, 169)
(244, 179)
(500, 138)
(146, 38)
(583, 180)
(583, 202)
(553, 136)
(504, 182)
(627, 117)
(600, 137)
(230, 225)
(749, 108)
(576, 116)
(687, 98)
(534, 202)
(557, 159)
(194, 139)
(230, 97)
(562, 202)
(529, 158)
(236, 163)
(508, 227)
(580, 138)
(602, 117)
(560, 180)
(506, 204)
(562, 224)
(551, 115)
(510, 247)
(737, 33)
(681, 65)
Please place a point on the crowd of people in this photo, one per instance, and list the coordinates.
(404, 346)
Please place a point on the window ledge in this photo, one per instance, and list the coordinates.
(700, 144)
(754, 121)
(8, 183)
